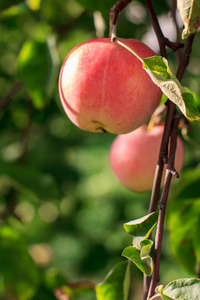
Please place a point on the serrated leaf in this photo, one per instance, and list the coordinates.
(38, 67)
(13, 252)
(183, 289)
(140, 257)
(171, 87)
(190, 15)
(116, 284)
(158, 69)
(26, 178)
(142, 227)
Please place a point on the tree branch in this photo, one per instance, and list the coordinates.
(114, 15)
(170, 169)
(162, 40)
(8, 97)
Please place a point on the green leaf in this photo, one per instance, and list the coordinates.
(141, 228)
(158, 69)
(183, 289)
(140, 257)
(24, 277)
(38, 69)
(34, 4)
(41, 185)
(159, 290)
(184, 221)
(171, 87)
(116, 284)
(190, 15)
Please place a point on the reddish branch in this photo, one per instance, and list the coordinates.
(170, 134)
(114, 14)
(170, 168)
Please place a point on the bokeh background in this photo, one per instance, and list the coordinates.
(61, 209)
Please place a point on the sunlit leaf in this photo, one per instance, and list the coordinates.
(41, 185)
(186, 288)
(13, 252)
(158, 69)
(142, 227)
(116, 284)
(190, 14)
(141, 257)
(33, 4)
(38, 68)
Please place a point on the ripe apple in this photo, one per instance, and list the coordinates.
(103, 87)
(134, 155)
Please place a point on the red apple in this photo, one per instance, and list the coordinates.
(133, 157)
(103, 86)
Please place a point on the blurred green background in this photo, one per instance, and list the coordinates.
(61, 209)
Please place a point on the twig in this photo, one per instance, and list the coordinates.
(163, 158)
(8, 97)
(174, 9)
(198, 270)
(114, 15)
(162, 40)
(170, 169)
(162, 205)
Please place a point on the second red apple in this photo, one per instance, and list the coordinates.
(133, 157)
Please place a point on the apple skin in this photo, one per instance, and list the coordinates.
(133, 157)
(103, 87)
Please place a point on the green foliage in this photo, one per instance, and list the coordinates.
(38, 62)
(139, 252)
(116, 284)
(13, 251)
(61, 210)
(184, 221)
(187, 289)
(140, 256)
(158, 69)
(8, 3)
(190, 14)
(42, 186)
(141, 228)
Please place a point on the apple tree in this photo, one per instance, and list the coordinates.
(62, 210)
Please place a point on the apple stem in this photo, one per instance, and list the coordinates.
(114, 15)
(129, 49)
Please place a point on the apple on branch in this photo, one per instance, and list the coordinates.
(104, 88)
(134, 155)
